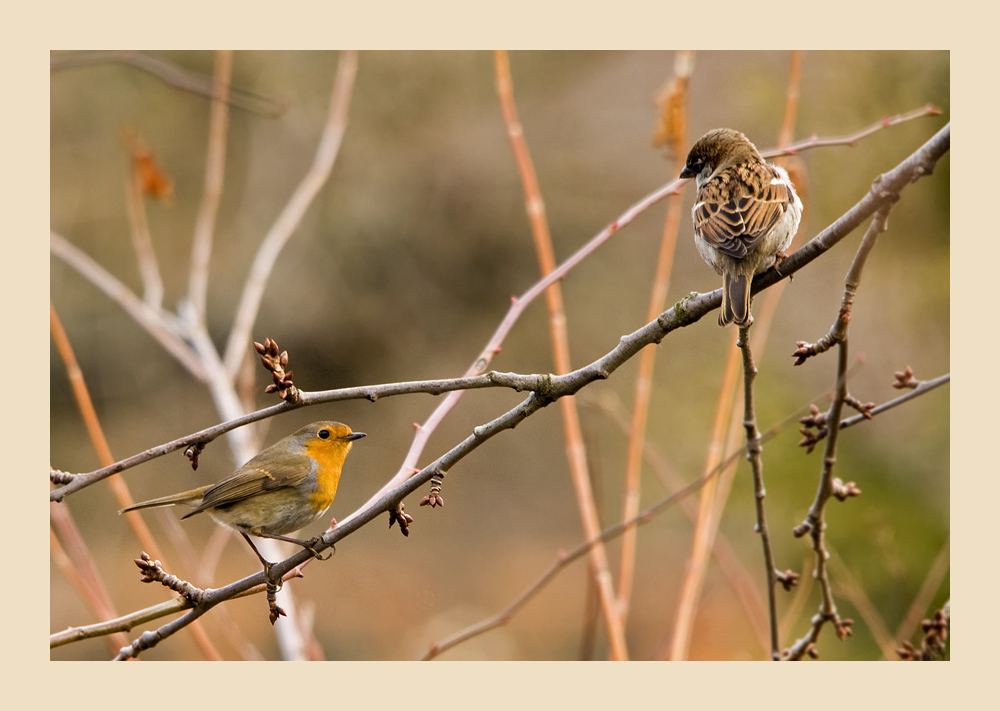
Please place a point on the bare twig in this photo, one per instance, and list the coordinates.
(815, 523)
(289, 219)
(754, 450)
(161, 325)
(853, 139)
(812, 438)
(215, 169)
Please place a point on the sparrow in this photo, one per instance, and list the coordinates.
(745, 215)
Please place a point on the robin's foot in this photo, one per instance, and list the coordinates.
(308, 545)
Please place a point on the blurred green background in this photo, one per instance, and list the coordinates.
(403, 267)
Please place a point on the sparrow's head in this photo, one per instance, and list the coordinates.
(717, 149)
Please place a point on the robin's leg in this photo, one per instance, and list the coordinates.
(267, 564)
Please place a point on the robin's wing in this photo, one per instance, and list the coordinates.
(734, 216)
(252, 479)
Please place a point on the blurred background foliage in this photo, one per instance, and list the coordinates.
(403, 267)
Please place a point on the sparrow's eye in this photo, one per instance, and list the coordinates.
(324, 434)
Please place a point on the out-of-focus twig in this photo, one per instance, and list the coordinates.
(149, 270)
(291, 215)
(855, 593)
(167, 71)
(932, 581)
(161, 325)
(725, 557)
(215, 169)
(118, 485)
(672, 133)
(575, 451)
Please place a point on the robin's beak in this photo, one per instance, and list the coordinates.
(353, 436)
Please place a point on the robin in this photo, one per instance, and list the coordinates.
(286, 486)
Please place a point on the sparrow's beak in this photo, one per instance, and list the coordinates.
(687, 173)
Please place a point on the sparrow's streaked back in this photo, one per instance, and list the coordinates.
(745, 215)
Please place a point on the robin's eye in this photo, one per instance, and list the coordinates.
(324, 434)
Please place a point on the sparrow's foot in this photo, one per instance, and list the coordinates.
(778, 259)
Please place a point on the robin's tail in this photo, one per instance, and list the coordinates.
(735, 300)
(191, 498)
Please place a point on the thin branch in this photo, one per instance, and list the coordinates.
(160, 325)
(853, 139)
(289, 219)
(922, 389)
(168, 72)
(575, 449)
(815, 523)
(754, 450)
(215, 168)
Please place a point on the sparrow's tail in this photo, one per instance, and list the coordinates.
(191, 498)
(735, 300)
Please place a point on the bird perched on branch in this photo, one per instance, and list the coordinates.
(745, 215)
(286, 486)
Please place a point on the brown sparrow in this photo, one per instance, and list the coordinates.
(745, 215)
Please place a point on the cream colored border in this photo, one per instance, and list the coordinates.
(516, 24)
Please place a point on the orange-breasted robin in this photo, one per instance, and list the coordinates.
(286, 486)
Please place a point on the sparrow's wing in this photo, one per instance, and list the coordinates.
(737, 210)
(253, 478)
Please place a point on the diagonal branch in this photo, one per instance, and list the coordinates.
(161, 325)
(168, 72)
(291, 216)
